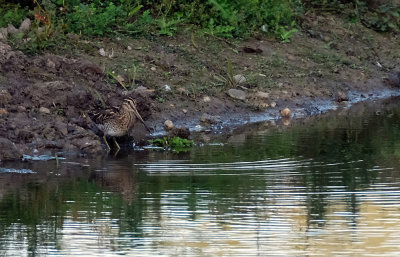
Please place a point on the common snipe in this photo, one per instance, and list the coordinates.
(117, 122)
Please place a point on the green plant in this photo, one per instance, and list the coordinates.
(228, 80)
(11, 14)
(93, 20)
(176, 144)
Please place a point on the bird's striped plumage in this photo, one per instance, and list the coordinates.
(117, 122)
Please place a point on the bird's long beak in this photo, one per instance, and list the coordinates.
(141, 119)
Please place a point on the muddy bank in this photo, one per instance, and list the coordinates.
(45, 100)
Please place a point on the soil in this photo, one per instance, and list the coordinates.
(46, 100)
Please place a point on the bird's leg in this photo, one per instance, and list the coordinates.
(105, 141)
(116, 143)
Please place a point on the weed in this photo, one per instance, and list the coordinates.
(11, 14)
(175, 144)
(228, 80)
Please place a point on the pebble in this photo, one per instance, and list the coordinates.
(209, 119)
(272, 104)
(102, 52)
(285, 113)
(44, 110)
(50, 64)
(153, 68)
(341, 97)
(206, 99)
(3, 112)
(21, 108)
(11, 29)
(237, 94)
(5, 96)
(168, 125)
(262, 95)
(239, 79)
(3, 33)
(167, 88)
(25, 25)
(184, 111)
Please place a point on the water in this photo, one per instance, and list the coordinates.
(325, 187)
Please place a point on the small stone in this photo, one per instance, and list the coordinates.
(121, 79)
(25, 25)
(167, 88)
(8, 150)
(61, 128)
(182, 90)
(5, 97)
(184, 111)
(11, 29)
(179, 132)
(3, 33)
(237, 94)
(341, 97)
(272, 104)
(21, 108)
(262, 95)
(393, 79)
(44, 110)
(285, 113)
(153, 68)
(50, 64)
(209, 119)
(239, 79)
(102, 52)
(3, 112)
(168, 125)
(206, 99)
(129, 48)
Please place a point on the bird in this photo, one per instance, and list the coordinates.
(117, 122)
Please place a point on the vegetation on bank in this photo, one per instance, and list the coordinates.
(53, 19)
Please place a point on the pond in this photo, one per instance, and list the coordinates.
(328, 185)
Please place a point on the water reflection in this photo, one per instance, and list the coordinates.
(326, 187)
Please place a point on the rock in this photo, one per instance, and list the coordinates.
(239, 79)
(167, 88)
(5, 97)
(182, 91)
(102, 52)
(206, 99)
(237, 94)
(3, 33)
(153, 68)
(44, 110)
(129, 48)
(285, 113)
(262, 95)
(21, 108)
(11, 29)
(3, 112)
(8, 150)
(272, 104)
(168, 125)
(341, 97)
(393, 79)
(179, 132)
(50, 64)
(209, 119)
(25, 25)
(184, 111)
(61, 128)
